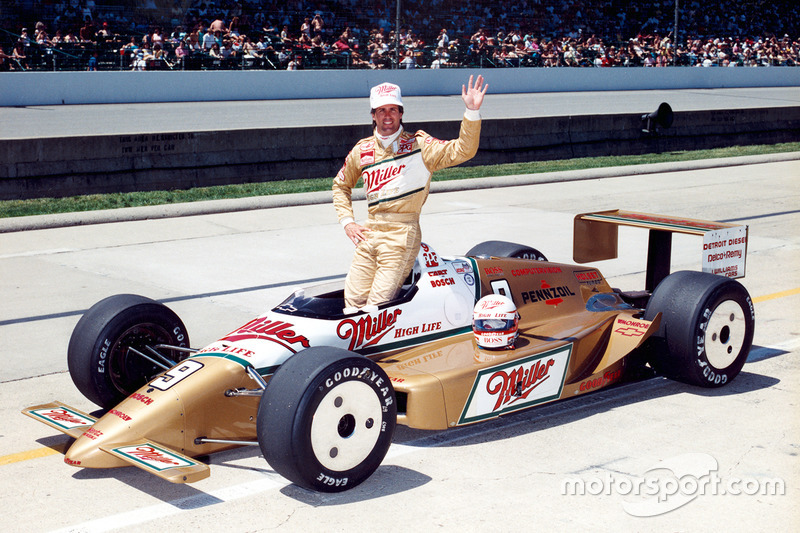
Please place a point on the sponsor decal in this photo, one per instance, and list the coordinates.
(493, 271)
(724, 251)
(153, 457)
(63, 417)
(147, 400)
(416, 330)
(367, 157)
(547, 294)
(469, 279)
(71, 462)
(631, 328)
(516, 385)
(434, 273)
(276, 331)
(535, 271)
(227, 348)
(376, 179)
(462, 268)
(92, 433)
(602, 381)
(588, 277)
(405, 146)
(442, 282)
(120, 414)
(367, 330)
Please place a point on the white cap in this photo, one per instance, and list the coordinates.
(385, 94)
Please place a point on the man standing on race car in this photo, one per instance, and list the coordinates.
(396, 167)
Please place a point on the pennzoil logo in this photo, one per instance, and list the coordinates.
(516, 385)
(367, 330)
(547, 294)
(272, 330)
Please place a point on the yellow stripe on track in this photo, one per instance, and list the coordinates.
(776, 295)
(31, 454)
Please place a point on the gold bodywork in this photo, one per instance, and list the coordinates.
(575, 332)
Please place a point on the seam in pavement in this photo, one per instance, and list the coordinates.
(209, 207)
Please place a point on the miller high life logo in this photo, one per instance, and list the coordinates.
(517, 385)
(153, 457)
(367, 330)
(377, 178)
(272, 330)
(63, 417)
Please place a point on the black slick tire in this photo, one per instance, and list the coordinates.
(706, 328)
(100, 364)
(326, 419)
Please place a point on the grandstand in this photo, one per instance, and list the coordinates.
(61, 35)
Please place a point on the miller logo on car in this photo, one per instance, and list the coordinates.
(516, 385)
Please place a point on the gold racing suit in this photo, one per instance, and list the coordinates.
(396, 180)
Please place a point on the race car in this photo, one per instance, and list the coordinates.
(321, 391)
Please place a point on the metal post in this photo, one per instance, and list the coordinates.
(675, 37)
(397, 37)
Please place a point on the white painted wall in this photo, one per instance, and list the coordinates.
(49, 88)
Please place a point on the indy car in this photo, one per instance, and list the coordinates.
(321, 391)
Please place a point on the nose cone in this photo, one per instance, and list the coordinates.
(137, 417)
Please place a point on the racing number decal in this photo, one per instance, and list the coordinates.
(501, 287)
(431, 259)
(176, 374)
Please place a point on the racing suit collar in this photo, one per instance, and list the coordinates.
(386, 140)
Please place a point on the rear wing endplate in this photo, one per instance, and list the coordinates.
(724, 244)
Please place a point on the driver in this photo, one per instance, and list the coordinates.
(396, 167)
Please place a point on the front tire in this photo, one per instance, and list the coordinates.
(326, 419)
(706, 330)
(99, 360)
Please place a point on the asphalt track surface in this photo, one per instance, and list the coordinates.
(80, 120)
(218, 270)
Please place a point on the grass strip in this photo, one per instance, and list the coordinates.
(43, 206)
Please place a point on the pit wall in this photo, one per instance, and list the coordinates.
(51, 88)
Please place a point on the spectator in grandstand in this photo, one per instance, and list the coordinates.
(87, 33)
(317, 25)
(92, 65)
(408, 61)
(209, 40)
(296, 63)
(18, 56)
(5, 60)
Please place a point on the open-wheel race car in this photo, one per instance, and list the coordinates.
(321, 391)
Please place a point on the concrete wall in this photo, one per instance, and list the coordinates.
(32, 168)
(50, 88)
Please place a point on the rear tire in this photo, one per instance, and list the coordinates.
(506, 249)
(706, 329)
(98, 358)
(326, 419)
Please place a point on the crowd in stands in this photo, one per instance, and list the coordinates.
(292, 34)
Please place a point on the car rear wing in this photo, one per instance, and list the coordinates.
(724, 244)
